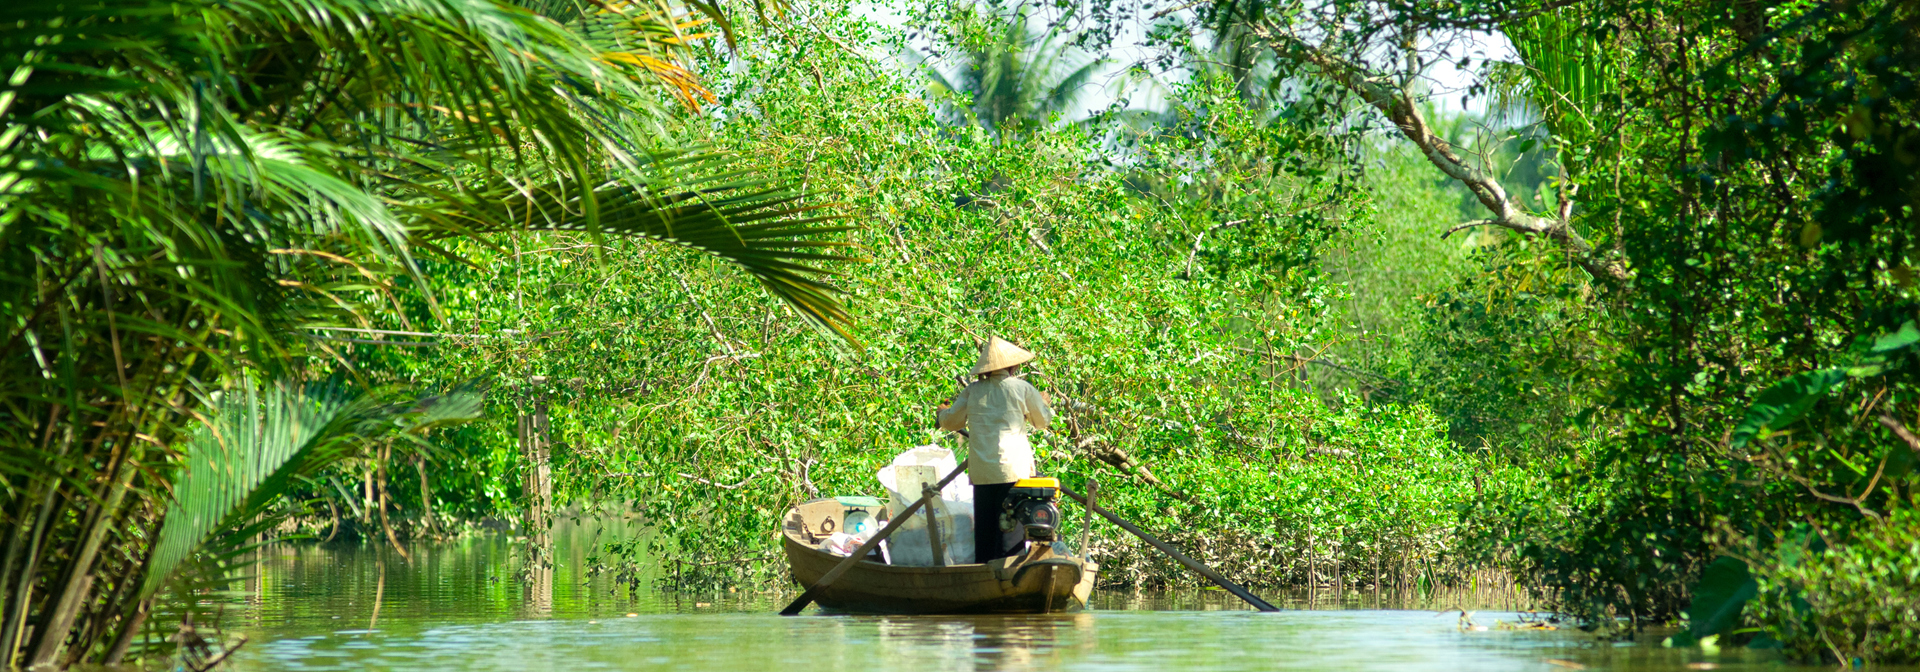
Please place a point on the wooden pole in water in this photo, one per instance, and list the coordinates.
(1086, 533)
(806, 598)
(1191, 563)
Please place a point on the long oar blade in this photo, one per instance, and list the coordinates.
(813, 592)
(1191, 563)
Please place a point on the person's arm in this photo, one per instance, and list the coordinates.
(953, 417)
(1039, 414)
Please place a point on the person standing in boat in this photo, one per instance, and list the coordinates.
(997, 410)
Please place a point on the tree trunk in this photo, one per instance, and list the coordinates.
(538, 490)
(538, 484)
(366, 498)
(128, 630)
(13, 624)
(135, 614)
(380, 479)
(80, 578)
(117, 575)
(426, 493)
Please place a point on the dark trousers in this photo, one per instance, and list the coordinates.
(988, 540)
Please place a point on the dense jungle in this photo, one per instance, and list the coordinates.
(1608, 301)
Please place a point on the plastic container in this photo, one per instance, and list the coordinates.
(904, 478)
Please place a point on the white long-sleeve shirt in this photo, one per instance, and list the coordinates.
(997, 411)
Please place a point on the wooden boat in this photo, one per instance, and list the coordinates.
(1039, 580)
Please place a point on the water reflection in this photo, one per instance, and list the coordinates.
(465, 606)
(301, 589)
(987, 642)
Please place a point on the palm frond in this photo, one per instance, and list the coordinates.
(1569, 77)
(250, 436)
(651, 38)
(765, 229)
(1063, 93)
(1014, 73)
(1511, 91)
(183, 182)
(257, 439)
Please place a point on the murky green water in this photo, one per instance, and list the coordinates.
(459, 606)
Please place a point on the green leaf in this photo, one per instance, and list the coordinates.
(1786, 402)
(250, 435)
(761, 227)
(257, 440)
(1718, 598)
(1907, 335)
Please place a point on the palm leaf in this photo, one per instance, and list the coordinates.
(184, 181)
(1013, 74)
(1566, 75)
(1062, 94)
(257, 439)
(249, 437)
(766, 230)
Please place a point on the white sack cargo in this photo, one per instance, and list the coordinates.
(910, 545)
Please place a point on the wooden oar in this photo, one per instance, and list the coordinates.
(832, 575)
(1182, 557)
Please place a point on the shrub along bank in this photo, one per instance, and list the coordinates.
(1727, 427)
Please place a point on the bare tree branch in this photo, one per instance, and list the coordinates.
(1900, 430)
(1202, 237)
(723, 486)
(1468, 225)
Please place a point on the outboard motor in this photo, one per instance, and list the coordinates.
(1029, 513)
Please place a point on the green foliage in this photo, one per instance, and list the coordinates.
(196, 191)
(1853, 600)
(258, 439)
(1568, 76)
(192, 193)
(1370, 493)
(249, 438)
(1507, 353)
(1723, 591)
(1731, 388)
(1789, 400)
(1785, 403)
(1009, 78)
(1164, 287)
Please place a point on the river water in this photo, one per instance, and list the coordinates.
(459, 606)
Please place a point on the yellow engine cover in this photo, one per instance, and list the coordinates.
(1038, 482)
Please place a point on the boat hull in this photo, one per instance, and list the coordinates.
(1035, 582)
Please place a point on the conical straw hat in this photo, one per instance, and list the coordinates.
(1000, 354)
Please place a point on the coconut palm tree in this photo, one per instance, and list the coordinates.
(1566, 77)
(188, 186)
(1216, 45)
(1236, 52)
(1013, 74)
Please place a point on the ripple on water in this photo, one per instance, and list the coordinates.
(446, 611)
(1112, 641)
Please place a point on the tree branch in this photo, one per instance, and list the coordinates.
(723, 486)
(1398, 104)
(1900, 430)
(1202, 237)
(1415, 13)
(1468, 225)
